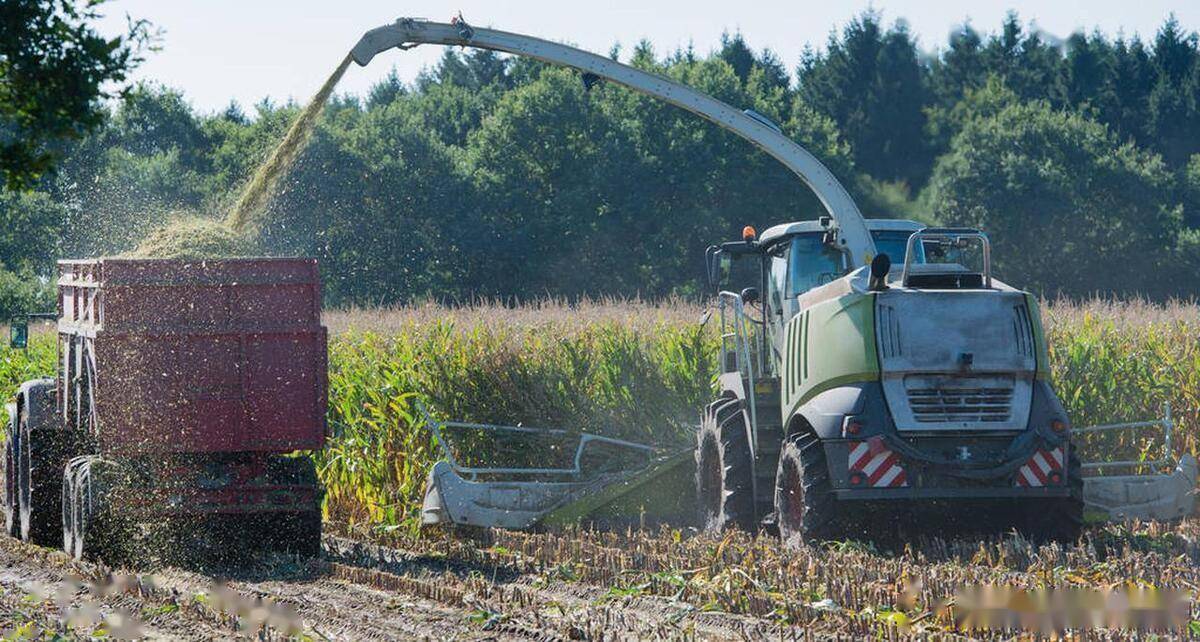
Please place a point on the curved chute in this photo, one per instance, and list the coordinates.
(853, 236)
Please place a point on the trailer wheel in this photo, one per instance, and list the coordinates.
(296, 532)
(804, 503)
(1059, 519)
(39, 480)
(724, 471)
(12, 521)
(97, 532)
(71, 501)
(68, 513)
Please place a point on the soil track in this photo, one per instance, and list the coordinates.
(42, 588)
(574, 585)
(359, 591)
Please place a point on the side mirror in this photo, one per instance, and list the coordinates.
(880, 266)
(710, 266)
(18, 335)
(719, 265)
(750, 296)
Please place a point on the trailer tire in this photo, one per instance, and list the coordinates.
(1059, 519)
(39, 485)
(98, 532)
(804, 504)
(297, 532)
(724, 470)
(68, 513)
(12, 520)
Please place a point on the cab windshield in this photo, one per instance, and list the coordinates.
(812, 263)
(894, 243)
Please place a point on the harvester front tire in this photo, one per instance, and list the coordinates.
(724, 470)
(297, 533)
(804, 504)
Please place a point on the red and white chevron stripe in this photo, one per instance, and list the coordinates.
(1045, 467)
(875, 465)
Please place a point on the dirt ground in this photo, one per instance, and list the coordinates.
(575, 585)
(358, 591)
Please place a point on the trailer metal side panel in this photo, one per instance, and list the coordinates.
(174, 356)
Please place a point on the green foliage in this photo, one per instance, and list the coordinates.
(633, 383)
(29, 234)
(1190, 184)
(870, 82)
(22, 292)
(53, 69)
(1069, 208)
(1115, 363)
(498, 177)
(18, 366)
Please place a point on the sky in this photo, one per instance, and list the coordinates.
(216, 51)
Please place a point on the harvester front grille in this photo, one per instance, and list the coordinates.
(954, 404)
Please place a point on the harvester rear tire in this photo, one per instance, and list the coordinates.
(805, 509)
(1059, 519)
(724, 470)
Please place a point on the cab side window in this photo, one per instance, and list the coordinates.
(777, 278)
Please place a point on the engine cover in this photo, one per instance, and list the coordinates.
(956, 359)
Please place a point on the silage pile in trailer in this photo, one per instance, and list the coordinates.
(194, 238)
(198, 238)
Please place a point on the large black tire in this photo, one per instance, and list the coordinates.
(98, 533)
(1059, 519)
(805, 508)
(12, 519)
(72, 505)
(69, 509)
(39, 484)
(297, 532)
(724, 470)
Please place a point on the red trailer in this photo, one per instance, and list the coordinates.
(181, 386)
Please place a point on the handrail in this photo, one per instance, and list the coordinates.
(584, 439)
(949, 233)
(741, 351)
(1168, 426)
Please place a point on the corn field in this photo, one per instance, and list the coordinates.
(640, 371)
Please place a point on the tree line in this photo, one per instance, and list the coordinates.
(501, 177)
